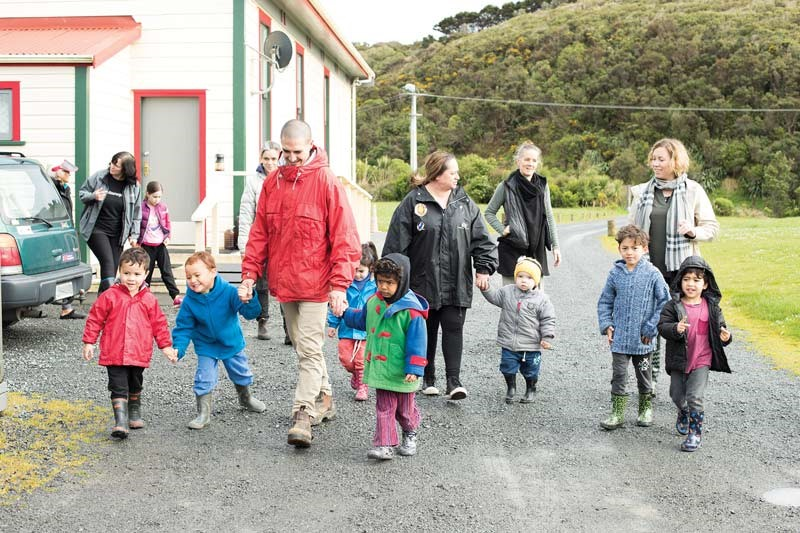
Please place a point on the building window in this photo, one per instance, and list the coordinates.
(9, 111)
(326, 102)
(300, 82)
(265, 78)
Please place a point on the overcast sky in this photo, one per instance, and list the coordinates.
(406, 21)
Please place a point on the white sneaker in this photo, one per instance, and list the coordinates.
(381, 453)
(428, 389)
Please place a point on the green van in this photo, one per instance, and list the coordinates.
(39, 251)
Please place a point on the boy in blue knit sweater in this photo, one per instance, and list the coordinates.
(628, 311)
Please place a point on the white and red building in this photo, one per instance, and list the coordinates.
(175, 83)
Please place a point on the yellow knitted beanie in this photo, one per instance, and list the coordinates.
(531, 267)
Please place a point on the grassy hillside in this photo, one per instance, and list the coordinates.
(681, 53)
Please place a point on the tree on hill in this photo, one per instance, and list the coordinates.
(664, 70)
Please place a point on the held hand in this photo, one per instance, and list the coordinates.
(482, 281)
(132, 241)
(331, 332)
(166, 241)
(171, 354)
(646, 340)
(686, 229)
(724, 334)
(610, 334)
(506, 230)
(682, 326)
(556, 257)
(88, 351)
(410, 378)
(338, 302)
(546, 345)
(245, 290)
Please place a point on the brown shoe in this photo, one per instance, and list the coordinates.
(326, 410)
(300, 432)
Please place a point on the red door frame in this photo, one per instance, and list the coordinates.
(200, 94)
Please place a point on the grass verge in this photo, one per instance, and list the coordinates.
(755, 262)
(40, 439)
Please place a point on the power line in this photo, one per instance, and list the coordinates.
(613, 106)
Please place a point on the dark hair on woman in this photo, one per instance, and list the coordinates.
(135, 256)
(633, 232)
(435, 165)
(127, 163)
(369, 254)
(388, 269)
(153, 186)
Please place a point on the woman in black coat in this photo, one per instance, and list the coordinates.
(441, 231)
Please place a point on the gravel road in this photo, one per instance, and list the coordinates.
(482, 465)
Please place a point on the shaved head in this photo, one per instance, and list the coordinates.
(296, 130)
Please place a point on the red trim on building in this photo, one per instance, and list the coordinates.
(200, 94)
(15, 110)
(327, 72)
(299, 47)
(97, 37)
(264, 19)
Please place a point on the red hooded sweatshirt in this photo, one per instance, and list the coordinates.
(306, 232)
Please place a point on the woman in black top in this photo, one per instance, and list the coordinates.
(112, 213)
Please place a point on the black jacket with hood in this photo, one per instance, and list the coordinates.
(442, 245)
(674, 311)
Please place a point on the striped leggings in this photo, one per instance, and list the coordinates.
(391, 406)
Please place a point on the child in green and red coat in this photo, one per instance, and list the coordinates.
(395, 358)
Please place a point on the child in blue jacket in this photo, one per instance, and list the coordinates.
(209, 317)
(628, 312)
(397, 340)
(351, 340)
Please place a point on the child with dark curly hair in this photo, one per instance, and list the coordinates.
(397, 338)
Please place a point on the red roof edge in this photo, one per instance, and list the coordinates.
(40, 23)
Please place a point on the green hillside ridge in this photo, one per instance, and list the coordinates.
(708, 54)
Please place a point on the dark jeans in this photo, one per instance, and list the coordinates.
(451, 319)
(124, 380)
(262, 291)
(159, 255)
(107, 251)
(528, 363)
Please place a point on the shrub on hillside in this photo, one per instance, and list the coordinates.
(723, 207)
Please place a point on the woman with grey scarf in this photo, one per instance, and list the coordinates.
(674, 211)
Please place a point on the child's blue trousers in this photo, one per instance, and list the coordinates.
(528, 363)
(205, 379)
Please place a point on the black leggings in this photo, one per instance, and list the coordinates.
(107, 251)
(451, 319)
(159, 255)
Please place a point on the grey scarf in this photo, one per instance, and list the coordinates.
(678, 246)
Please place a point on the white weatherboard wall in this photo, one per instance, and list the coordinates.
(110, 111)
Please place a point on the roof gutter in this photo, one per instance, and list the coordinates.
(25, 59)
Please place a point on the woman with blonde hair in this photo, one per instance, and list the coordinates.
(674, 211)
(530, 227)
(440, 229)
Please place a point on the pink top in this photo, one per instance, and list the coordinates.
(698, 345)
(153, 234)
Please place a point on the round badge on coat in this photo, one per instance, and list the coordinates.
(420, 210)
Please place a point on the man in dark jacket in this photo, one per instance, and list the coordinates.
(61, 174)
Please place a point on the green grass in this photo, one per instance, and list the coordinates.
(563, 215)
(755, 263)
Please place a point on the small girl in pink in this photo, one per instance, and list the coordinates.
(694, 328)
(154, 237)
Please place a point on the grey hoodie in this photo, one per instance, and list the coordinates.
(526, 317)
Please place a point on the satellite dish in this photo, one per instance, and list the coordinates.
(278, 49)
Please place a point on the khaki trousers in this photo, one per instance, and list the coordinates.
(305, 322)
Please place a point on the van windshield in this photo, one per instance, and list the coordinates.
(27, 195)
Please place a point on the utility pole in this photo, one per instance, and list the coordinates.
(412, 89)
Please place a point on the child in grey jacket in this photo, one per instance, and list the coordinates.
(527, 325)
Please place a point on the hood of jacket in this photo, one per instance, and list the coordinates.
(404, 298)
(405, 276)
(317, 159)
(695, 261)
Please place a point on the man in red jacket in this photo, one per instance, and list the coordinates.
(306, 232)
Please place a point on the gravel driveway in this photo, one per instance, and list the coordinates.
(482, 465)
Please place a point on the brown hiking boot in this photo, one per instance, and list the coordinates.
(326, 410)
(300, 432)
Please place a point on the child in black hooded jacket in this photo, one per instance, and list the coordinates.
(694, 328)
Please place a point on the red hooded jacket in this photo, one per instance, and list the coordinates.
(129, 324)
(306, 232)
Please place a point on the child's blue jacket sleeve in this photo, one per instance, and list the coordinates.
(416, 345)
(356, 318)
(333, 320)
(182, 332)
(605, 306)
(249, 310)
(661, 296)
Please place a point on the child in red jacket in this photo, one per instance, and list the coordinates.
(127, 307)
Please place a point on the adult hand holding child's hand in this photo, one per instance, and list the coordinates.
(246, 290)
